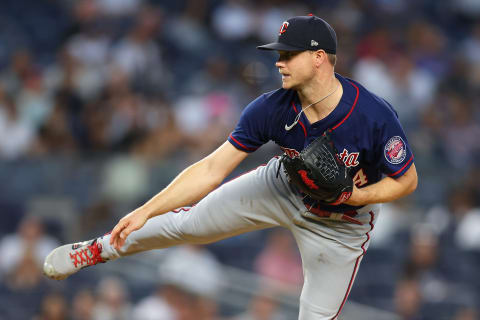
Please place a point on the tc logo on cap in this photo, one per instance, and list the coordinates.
(283, 28)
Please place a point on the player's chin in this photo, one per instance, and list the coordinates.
(287, 84)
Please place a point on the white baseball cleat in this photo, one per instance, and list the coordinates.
(68, 259)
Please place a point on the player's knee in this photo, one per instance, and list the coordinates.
(191, 235)
(315, 312)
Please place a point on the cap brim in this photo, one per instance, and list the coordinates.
(280, 47)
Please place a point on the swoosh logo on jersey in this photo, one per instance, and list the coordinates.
(288, 128)
(297, 118)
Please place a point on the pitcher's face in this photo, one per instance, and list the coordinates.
(296, 68)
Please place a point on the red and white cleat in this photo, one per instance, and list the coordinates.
(68, 259)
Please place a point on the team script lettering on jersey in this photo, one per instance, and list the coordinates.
(292, 153)
(350, 159)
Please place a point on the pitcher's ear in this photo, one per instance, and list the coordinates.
(320, 57)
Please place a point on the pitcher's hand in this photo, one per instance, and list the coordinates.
(131, 222)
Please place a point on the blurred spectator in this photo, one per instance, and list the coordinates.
(191, 293)
(466, 314)
(80, 80)
(91, 47)
(427, 46)
(268, 18)
(397, 216)
(408, 299)
(83, 305)
(207, 309)
(414, 88)
(164, 137)
(262, 307)
(215, 76)
(469, 8)
(375, 76)
(15, 135)
(467, 234)
(54, 307)
(122, 169)
(84, 13)
(138, 54)
(182, 301)
(471, 51)
(458, 82)
(207, 280)
(472, 182)
(112, 300)
(172, 301)
(188, 32)
(280, 254)
(461, 126)
(234, 20)
(124, 110)
(377, 44)
(26, 274)
(445, 218)
(55, 135)
(96, 219)
(33, 102)
(157, 306)
(119, 7)
(28, 241)
(205, 121)
(458, 230)
(443, 277)
(20, 67)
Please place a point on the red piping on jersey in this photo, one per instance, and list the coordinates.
(240, 144)
(299, 121)
(181, 209)
(351, 109)
(357, 262)
(406, 164)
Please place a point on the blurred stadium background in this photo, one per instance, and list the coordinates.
(103, 102)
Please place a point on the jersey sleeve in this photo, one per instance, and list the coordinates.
(251, 131)
(393, 151)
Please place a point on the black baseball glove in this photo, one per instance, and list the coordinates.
(319, 173)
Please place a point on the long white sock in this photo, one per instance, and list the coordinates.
(108, 251)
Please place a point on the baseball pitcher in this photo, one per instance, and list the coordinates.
(344, 153)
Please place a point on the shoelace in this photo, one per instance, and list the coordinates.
(88, 256)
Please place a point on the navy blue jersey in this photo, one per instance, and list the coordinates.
(366, 132)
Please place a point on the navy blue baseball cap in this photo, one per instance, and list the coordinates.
(304, 33)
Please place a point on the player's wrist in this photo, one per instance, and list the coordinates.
(358, 197)
(145, 212)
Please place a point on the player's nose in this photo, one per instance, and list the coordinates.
(280, 64)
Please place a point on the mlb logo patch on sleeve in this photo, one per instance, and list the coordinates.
(395, 150)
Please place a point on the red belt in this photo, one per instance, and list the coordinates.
(347, 216)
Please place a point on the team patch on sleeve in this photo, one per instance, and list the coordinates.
(395, 150)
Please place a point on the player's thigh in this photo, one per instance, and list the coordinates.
(242, 205)
(330, 268)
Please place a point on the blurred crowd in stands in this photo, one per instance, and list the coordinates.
(103, 102)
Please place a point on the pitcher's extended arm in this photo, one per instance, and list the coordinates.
(190, 186)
